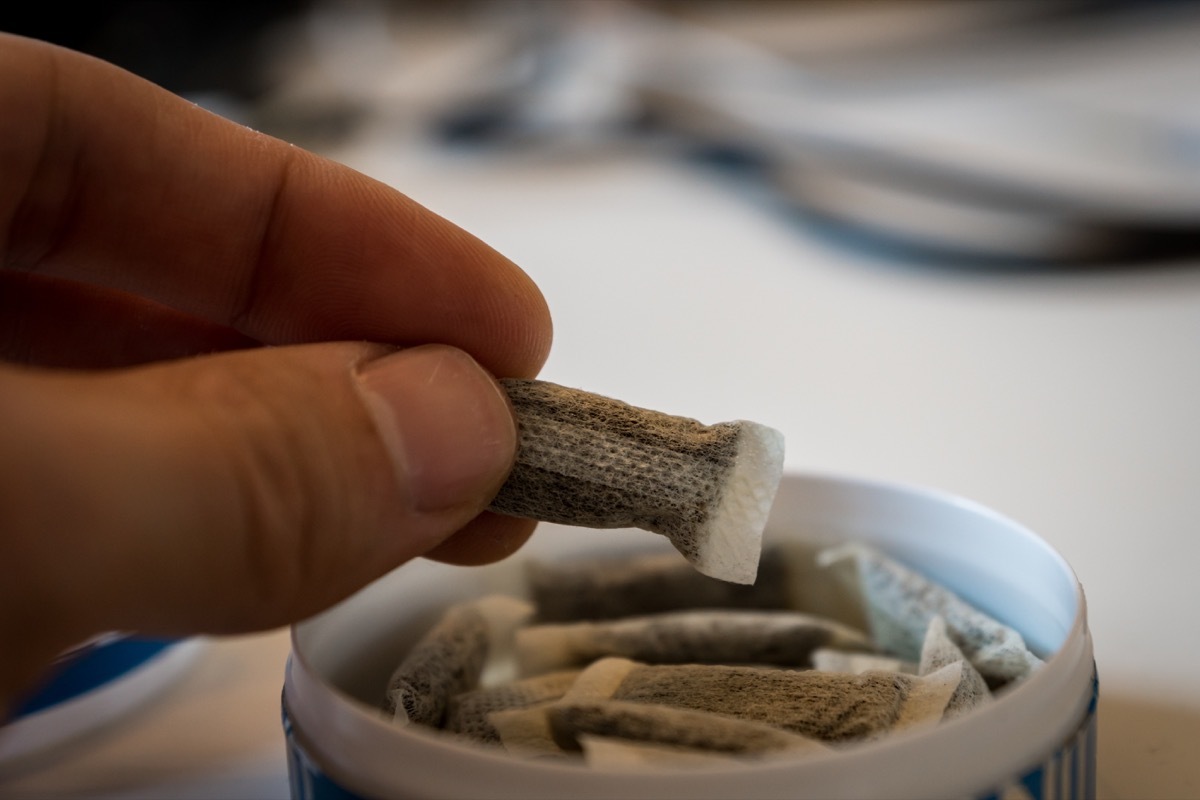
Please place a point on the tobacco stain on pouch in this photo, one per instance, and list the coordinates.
(591, 461)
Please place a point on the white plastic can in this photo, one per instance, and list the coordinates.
(1036, 740)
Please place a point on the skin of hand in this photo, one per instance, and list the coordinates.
(237, 381)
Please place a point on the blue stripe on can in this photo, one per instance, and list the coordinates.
(305, 777)
(1069, 774)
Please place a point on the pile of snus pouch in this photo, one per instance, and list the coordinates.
(640, 659)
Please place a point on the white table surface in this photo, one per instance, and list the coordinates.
(1069, 401)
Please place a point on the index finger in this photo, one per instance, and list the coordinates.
(113, 181)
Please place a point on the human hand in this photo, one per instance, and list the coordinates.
(237, 381)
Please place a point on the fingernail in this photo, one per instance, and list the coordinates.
(445, 422)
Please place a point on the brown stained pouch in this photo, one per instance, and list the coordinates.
(827, 706)
(449, 659)
(468, 712)
(595, 462)
(704, 636)
(571, 721)
(611, 587)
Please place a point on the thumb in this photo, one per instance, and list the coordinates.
(237, 491)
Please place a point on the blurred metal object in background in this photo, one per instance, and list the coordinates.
(1011, 132)
(948, 140)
